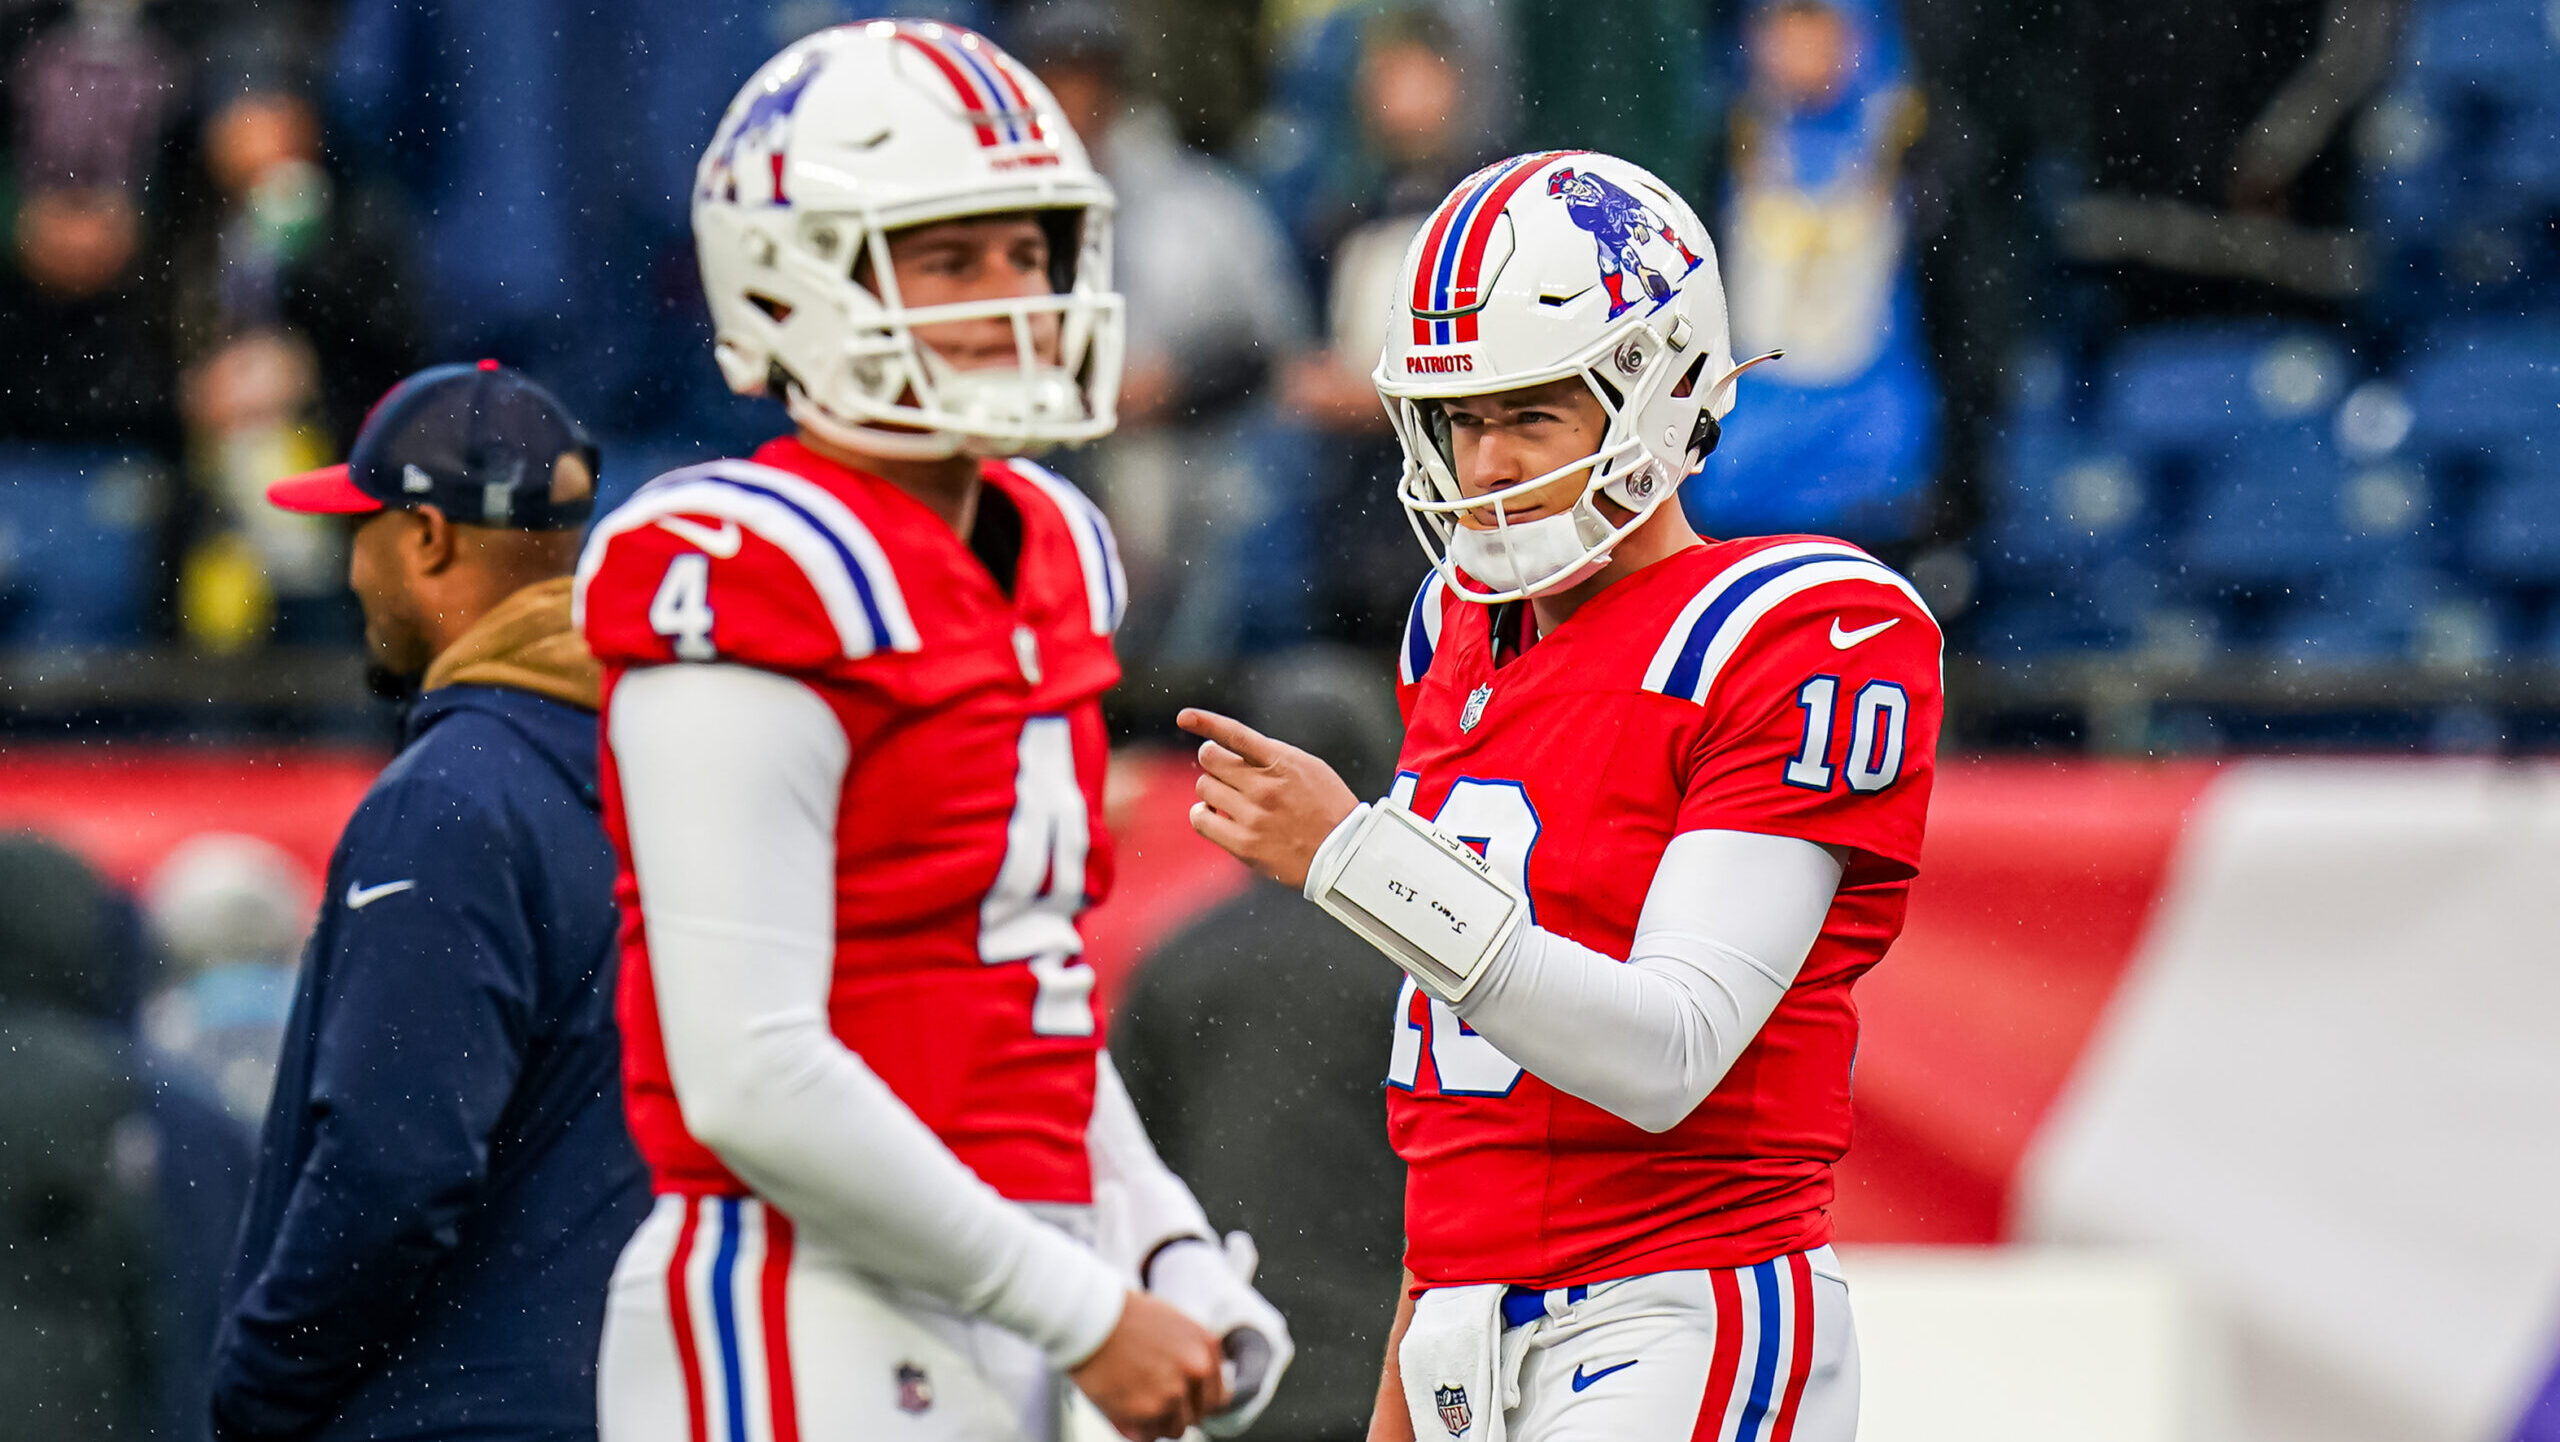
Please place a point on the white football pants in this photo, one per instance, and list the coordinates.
(724, 1325)
(1764, 1353)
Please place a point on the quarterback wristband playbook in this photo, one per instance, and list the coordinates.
(1423, 897)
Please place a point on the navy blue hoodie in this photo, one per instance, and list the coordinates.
(445, 1180)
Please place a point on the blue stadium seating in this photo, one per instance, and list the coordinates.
(2284, 506)
(2066, 502)
(2526, 151)
(75, 545)
(2380, 615)
(2104, 608)
(2487, 381)
(2514, 529)
(2186, 387)
(2504, 48)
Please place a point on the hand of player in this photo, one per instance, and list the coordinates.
(1157, 1374)
(1267, 802)
(1213, 1284)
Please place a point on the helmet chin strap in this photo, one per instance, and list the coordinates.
(869, 439)
(1530, 557)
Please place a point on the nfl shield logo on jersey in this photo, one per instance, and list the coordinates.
(915, 1389)
(1474, 713)
(1454, 1412)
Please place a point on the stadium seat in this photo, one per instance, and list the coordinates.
(2195, 386)
(2514, 530)
(2385, 615)
(2504, 48)
(2065, 502)
(2526, 151)
(2282, 507)
(75, 545)
(2485, 382)
(2104, 608)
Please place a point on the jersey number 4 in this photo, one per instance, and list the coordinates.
(681, 611)
(1029, 915)
(1496, 818)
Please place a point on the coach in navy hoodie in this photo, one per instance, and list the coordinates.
(445, 1180)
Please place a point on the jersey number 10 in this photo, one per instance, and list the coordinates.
(1876, 722)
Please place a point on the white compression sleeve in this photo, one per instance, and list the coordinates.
(1139, 1204)
(729, 783)
(1726, 925)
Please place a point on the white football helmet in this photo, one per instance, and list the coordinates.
(872, 127)
(1538, 268)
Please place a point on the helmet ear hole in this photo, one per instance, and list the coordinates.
(1064, 230)
(1689, 378)
(779, 382)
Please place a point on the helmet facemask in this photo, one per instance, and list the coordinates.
(885, 391)
(1553, 552)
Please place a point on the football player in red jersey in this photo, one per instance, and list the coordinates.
(854, 767)
(1660, 805)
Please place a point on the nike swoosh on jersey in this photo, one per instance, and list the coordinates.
(722, 544)
(1839, 638)
(1581, 1381)
(360, 897)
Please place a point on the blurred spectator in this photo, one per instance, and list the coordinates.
(1254, 1039)
(549, 148)
(230, 912)
(120, 1182)
(93, 98)
(1839, 437)
(519, 128)
(76, 1326)
(1214, 308)
(294, 313)
(1379, 108)
(1419, 130)
(1624, 79)
(1203, 61)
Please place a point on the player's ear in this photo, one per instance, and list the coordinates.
(432, 544)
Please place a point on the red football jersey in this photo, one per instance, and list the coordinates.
(1781, 685)
(969, 832)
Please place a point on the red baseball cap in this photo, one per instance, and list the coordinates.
(324, 492)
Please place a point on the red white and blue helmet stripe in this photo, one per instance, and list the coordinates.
(985, 81)
(1446, 291)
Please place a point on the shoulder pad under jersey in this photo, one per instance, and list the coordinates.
(1726, 615)
(1422, 629)
(735, 561)
(1106, 585)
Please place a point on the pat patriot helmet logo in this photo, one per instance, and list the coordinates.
(1631, 235)
(764, 128)
(1454, 1412)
